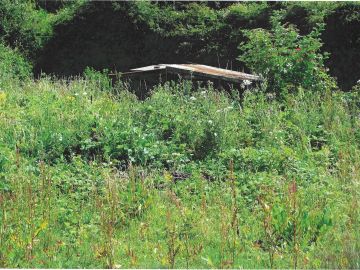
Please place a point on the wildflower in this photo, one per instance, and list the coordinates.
(84, 93)
(210, 122)
(167, 176)
(298, 49)
(70, 98)
(247, 82)
(192, 98)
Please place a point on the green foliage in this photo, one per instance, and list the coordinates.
(285, 59)
(185, 178)
(185, 32)
(166, 31)
(246, 14)
(24, 26)
(12, 65)
(97, 79)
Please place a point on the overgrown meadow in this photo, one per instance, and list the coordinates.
(186, 178)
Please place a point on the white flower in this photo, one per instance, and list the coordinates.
(247, 82)
(210, 122)
(84, 93)
(203, 92)
(192, 98)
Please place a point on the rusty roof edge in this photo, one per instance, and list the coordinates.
(198, 69)
(228, 71)
(233, 76)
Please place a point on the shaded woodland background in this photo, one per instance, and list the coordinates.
(63, 38)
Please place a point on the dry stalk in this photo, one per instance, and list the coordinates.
(234, 211)
(292, 193)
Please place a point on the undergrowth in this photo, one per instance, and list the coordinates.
(97, 178)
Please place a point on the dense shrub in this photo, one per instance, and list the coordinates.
(12, 65)
(285, 59)
(23, 26)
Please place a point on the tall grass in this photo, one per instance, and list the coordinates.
(89, 178)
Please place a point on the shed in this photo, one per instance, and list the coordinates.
(146, 77)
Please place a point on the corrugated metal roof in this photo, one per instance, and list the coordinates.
(199, 70)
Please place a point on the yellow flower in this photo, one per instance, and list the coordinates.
(167, 176)
(70, 98)
(2, 97)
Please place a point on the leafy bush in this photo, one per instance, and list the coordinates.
(23, 26)
(286, 59)
(12, 65)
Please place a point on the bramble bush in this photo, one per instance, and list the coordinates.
(285, 59)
